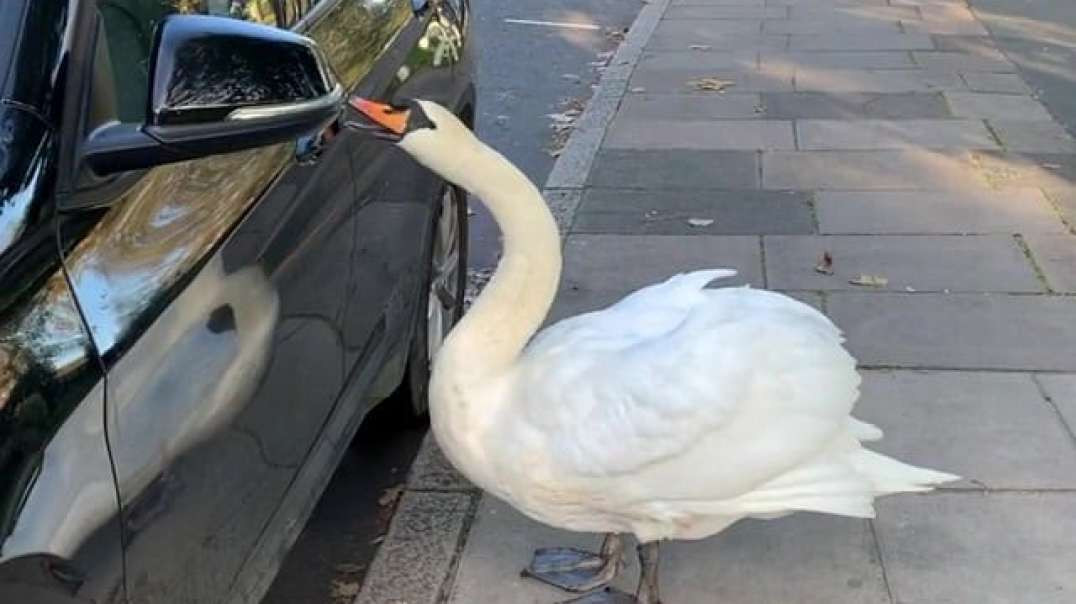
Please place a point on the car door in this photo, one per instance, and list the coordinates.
(59, 521)
(214, 293)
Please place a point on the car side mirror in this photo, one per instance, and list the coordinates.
(219, 85)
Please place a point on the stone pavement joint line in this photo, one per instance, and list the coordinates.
(895, 136)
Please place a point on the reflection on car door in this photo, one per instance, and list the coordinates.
(214, 291)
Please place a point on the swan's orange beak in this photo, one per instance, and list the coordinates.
(386, 116)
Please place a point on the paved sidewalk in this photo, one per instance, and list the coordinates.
(895, 136)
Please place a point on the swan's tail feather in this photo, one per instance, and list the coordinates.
(891, 476)
(844, 481)
(828, 486)
(862, 431)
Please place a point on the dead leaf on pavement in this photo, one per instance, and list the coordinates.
(825, 264)
(700, 222)
(616, 35)
(870, 281)
(341, 590)
(710, 84)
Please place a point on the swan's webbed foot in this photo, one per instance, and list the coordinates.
(576, 570)
(604, 596)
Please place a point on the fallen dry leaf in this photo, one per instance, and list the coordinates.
(390, 495)
(710, 84)
(343, 590)
(870, 281)
(825, 264)
(700, 222)
(616, 35)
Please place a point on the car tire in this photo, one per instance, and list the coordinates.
(440, 304)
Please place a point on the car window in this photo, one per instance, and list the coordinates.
(130, 24)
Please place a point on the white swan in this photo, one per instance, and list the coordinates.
(670, 415)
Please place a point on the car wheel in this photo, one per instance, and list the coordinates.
(440, 304)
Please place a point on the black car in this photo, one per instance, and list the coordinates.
(207, 278)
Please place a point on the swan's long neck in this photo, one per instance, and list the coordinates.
(474, 364)
(515, 302)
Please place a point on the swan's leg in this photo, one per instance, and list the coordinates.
(577, 570)
(647, 593)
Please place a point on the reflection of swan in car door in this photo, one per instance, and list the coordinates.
(191, 374)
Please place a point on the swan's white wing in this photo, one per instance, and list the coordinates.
(644, 380)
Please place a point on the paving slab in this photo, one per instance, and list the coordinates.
(917, 169)
(725, 12)
(1061, 388)
(1034, 136)
(699, 134)
(852, 11)
(993, 429)
(901, 212)
(945, 26)
(1056, 256)
(854, 106)
(691, 107)
(738, 35)
(1046, 171)
(418, 550)
(1000, 548)
(1006, 83)
(819, 26)
(872, 135)
(675, 169)
(805, 558)
(831, 80)
(958, 331)
(961, 61)
(601, 269)
(982, 263)
(995, 106)
(665, 212)
(862, 41)
(707, 27)
(868, 59)
(717, 3)
(828, 4)
(698, 59)
(664, 80)
(717, 42)
(979, 46)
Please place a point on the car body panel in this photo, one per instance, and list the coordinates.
(59, 518)
(223, 324)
